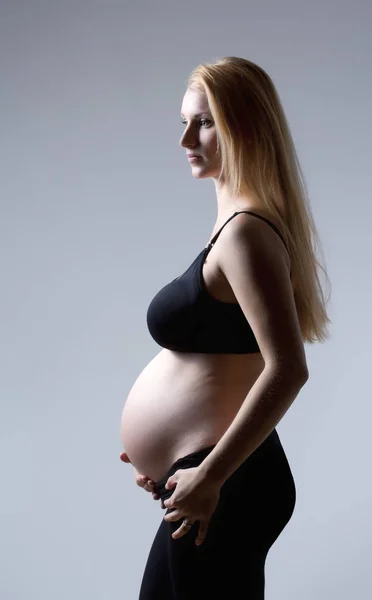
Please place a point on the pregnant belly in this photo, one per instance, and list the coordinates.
(177, 405)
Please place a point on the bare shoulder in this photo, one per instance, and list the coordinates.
(255, 261)
(254, 231)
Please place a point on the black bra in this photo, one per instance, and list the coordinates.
(184, 317)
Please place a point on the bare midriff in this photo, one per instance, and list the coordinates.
(181, 403)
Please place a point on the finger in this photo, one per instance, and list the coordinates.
(149, 486)
(173, 515)
(180, 532)
(142, 480)
(145, 483)
(202, 532)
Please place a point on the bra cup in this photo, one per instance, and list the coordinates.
(185, 316)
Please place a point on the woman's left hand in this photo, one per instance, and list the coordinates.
(195, 498)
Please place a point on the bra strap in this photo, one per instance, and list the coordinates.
(214, 238)
(266, 221)
(219, 231)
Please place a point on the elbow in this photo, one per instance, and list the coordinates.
(300, 373)
(296, 378)
(295, 373)
(303, 376)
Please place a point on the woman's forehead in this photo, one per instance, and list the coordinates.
(194, 104)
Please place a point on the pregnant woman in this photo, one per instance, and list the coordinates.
(199, 423)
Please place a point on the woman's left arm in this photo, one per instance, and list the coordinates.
(254, 260)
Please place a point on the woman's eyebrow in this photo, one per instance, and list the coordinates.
(198, 114)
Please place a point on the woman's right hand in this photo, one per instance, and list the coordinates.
(141, 480)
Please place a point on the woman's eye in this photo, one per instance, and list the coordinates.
(205, 121)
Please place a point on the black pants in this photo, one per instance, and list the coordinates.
(255, 504)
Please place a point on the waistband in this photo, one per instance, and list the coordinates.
(190, 460)
(195, 458)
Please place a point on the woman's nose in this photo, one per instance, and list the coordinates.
(189, 142)
(189, 139)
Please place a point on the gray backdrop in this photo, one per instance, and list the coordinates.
(99, 210)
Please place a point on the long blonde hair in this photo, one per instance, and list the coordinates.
(258, 155)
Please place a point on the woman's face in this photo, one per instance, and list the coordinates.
(199, 135)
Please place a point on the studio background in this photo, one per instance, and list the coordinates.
(99, 210)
